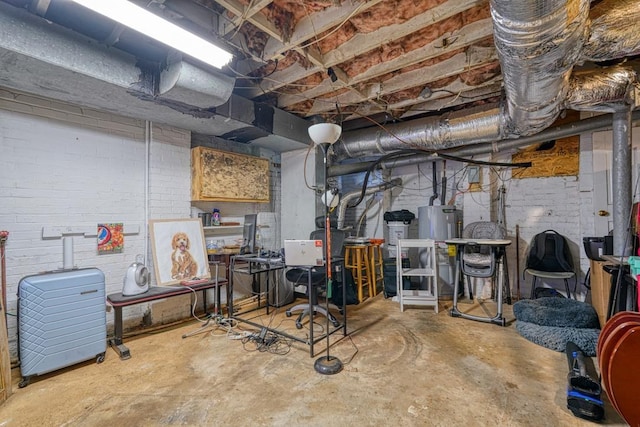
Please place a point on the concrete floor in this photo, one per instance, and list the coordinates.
(402, 369)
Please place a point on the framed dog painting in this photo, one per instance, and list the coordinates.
(179, 251)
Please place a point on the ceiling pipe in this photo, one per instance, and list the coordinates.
(621, 182)
(538, 43)
(604, 90)
(51, 61)
(344, 201)
(592, 124)
(532, 40)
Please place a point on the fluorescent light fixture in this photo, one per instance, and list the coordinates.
(147, 23)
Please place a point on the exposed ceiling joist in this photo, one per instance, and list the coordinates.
(257, 19)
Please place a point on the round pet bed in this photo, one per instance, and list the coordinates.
(559, 312)
(556, 337)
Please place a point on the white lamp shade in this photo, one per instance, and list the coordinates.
(323, 133)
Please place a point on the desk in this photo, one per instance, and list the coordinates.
(310, 339)
(253, 265)
(117, 301)
(498, 251)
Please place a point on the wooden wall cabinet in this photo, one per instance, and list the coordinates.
(221, 176)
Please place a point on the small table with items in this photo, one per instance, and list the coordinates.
(499, 252)
(118, 301)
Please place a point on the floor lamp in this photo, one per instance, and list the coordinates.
(323, 135)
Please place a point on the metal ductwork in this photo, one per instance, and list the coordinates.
(184, 83)
(538, 44)
(614, 31)
(344, 201)
(48, 60)
(603, 90)
(427, 133)
(602, 122)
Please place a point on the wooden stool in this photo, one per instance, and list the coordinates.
(356, 258)
(376, 263)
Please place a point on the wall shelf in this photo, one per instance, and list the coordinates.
(223, 229)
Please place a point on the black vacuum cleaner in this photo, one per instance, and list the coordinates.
(583, 392)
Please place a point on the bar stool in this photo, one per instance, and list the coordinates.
(376, 263)
(356, 258)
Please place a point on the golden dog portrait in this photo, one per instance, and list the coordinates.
(183, 265)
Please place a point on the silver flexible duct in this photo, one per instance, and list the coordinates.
(427, 133)
(614, 31)
(606, 90)
(592, 124)
(342, 206)
(538, 44)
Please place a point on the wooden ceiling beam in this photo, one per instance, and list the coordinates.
(311, 26)
(431, 50)
(259, 20)
(457, 93)
(246, 15)
(353, 48)
(448, 68)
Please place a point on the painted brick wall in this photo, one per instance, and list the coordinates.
(564, 204)
(68, 166)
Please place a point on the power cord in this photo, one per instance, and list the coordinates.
(266, 341)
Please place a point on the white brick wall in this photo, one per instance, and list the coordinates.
(564, 204)
(68, 166)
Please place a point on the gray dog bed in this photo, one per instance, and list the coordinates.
(552, 311)
(556, 338)
(552, 322)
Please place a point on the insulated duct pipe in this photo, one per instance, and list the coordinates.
(342, 206)
(602, 122)
(603, 90)
(538, 44)
(427, 133)
(614, 31)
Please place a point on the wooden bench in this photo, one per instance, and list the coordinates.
(118, 301)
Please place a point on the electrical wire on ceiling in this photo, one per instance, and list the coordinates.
(484, 163)
(397, 154)
(409, 152)
(246, 77)
(336, 28)
(242, 18)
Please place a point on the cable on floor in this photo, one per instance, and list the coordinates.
(265, 341)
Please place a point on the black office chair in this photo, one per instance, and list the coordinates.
(480, 260)
(315, 278)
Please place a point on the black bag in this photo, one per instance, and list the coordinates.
(549, 251)
(336, 289)
(403, 216)
(390, 287)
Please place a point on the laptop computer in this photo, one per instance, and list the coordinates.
(303, 253)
